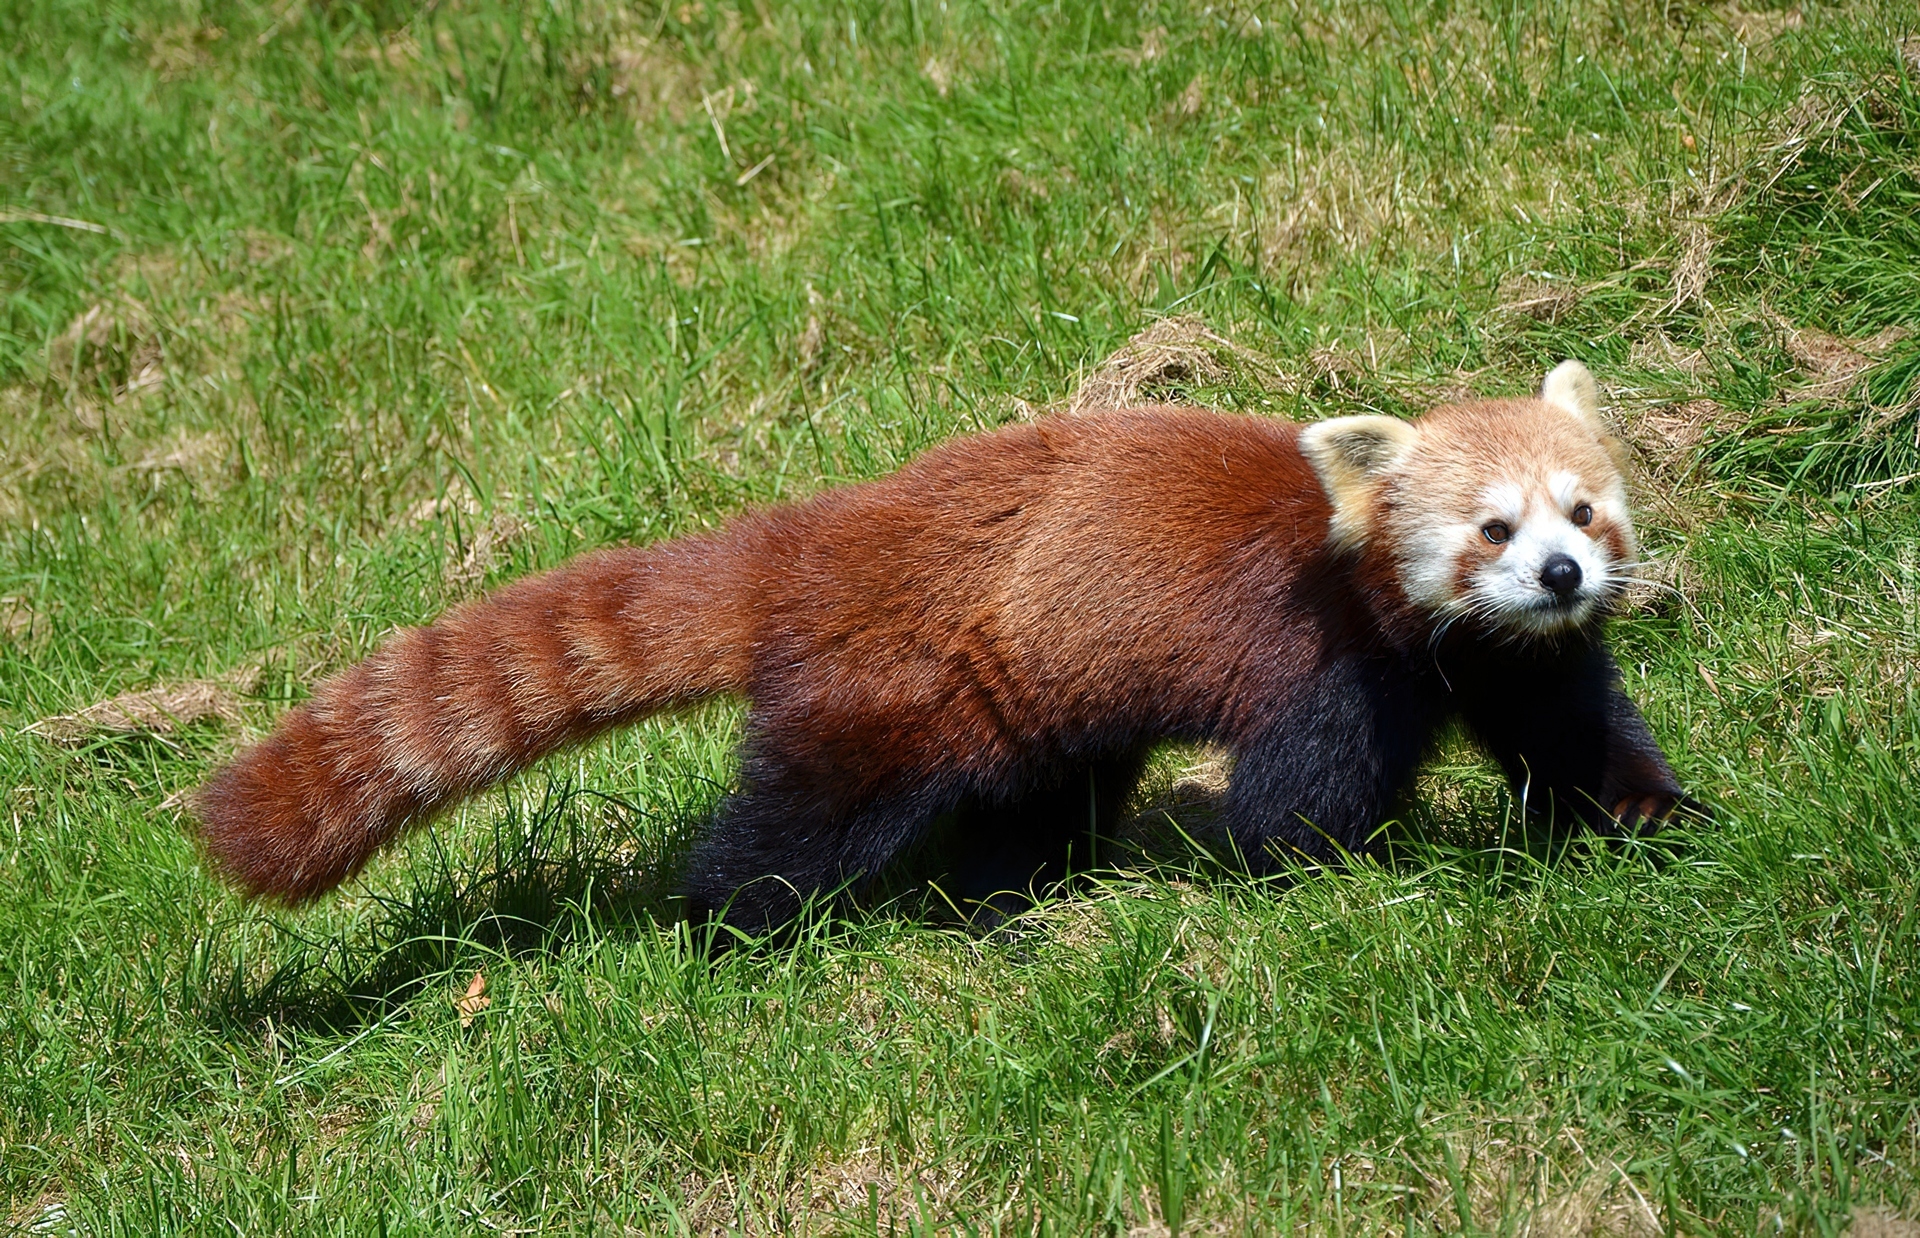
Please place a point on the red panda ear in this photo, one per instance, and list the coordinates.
(1570, 386)
(1350, 454)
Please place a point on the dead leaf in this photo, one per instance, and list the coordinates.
(474, 1000)
(1153, 45)
(483, 552)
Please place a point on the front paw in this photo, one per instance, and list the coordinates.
(1646, 812)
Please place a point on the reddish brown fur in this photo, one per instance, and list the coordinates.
(980, 587)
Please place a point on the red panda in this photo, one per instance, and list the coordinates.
(1003, 628)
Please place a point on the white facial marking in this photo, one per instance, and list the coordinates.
(1512, 589)
(1428, 564)
(1509, 589)
(1504, 501)
(1612, 504)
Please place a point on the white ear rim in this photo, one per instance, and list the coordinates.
(1570, 386)
(1349, 455)
(1364, 445)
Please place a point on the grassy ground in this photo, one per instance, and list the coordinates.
(316, 317)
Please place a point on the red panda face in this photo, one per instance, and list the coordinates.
(1543, 546)
(1511, 514)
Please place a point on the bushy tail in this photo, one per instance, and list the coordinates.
(443, 711)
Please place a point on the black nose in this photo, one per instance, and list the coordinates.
(1560, 574)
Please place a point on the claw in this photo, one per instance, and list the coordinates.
(1656, 809)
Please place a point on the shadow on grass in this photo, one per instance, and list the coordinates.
(584, 865)
(579, 867)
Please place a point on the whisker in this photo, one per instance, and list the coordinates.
(1657, 584)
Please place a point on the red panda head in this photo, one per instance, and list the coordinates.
(1510, 513)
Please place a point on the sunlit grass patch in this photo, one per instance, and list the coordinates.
(315, 319)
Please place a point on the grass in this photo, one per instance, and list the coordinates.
(317, 317)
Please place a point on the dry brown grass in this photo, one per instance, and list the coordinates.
(1330, 205)
(645, 75)
(939, 73)
(204, 459)
(1548, 1182)
(43, 1213)
(817, 1199)
(113, 401)
(182, 50)
(1173, 352)
(1832, 367)
(1861, 642)
(160, 710)
(1542, 300)
(115, 336)
(1183, 796)
(19, 622)
(1810, 124)
(458, 500)
(1504, 1168)
(1152, 46)
(1881, 1223)
(1667, 433)
(1657, 351)
(1695, 241)
(1663, 441)
(1760, 25)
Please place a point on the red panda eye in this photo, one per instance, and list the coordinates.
(1496, 532)
(1583, 515)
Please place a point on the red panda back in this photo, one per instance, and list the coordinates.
(1028, 584)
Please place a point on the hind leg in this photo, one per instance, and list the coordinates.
(1051, 831)
(788, 837)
